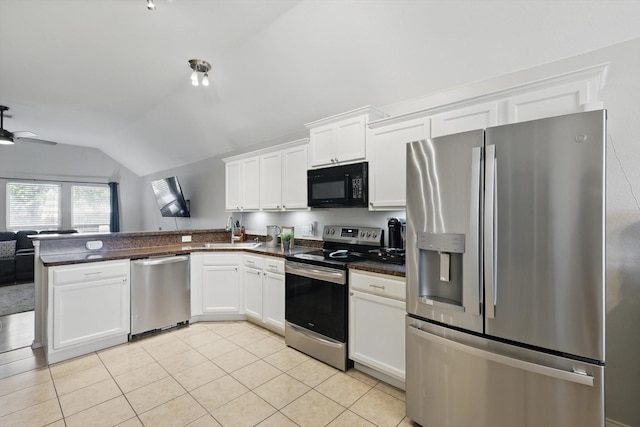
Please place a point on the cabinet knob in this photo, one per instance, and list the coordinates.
(370, 203)
(278, 206)
(336, 159)
(351, 293)
(284, 207)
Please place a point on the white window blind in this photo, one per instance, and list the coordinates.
(90, 207)
(33, 205)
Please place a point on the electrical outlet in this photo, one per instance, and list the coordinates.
(306, 231)
(186, 239)
(94, 245)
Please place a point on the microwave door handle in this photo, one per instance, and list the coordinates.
(348, 194)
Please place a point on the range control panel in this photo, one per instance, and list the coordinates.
(354, 235)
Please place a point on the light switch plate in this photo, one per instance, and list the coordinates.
(186, 239)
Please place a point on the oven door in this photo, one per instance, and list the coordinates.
(316, 299)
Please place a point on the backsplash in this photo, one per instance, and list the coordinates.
(256, 222)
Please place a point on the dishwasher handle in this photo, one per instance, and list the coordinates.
(160, 261)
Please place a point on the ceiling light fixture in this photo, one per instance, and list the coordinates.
(199, 66)
(151, 5)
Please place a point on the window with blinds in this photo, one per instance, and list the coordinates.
(90, 207)
(33, 206)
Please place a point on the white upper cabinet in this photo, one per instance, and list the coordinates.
(250, 183)
(341, 138)
(387, 148)
(242, 184)
(271, 181)
(294, 177)
(478, 116)
(232, 186)
(553, 101)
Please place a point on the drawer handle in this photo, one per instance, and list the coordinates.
(275, 267)
(377, 286)
(93, 274)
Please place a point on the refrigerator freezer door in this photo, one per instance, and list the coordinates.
(455, 379)
(444, 182)
(544, 260)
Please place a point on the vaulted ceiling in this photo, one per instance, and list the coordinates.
(113, 75)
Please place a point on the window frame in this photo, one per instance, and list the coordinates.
(34, 183)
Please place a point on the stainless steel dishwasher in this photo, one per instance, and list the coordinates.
(160, 293)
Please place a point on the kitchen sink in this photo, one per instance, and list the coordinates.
(241, 245)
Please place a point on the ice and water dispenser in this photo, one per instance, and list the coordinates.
(441, 268)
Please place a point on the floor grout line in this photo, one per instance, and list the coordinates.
(173, 338)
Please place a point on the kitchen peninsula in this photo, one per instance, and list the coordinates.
(83, 282)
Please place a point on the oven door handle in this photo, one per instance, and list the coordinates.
(316, 272)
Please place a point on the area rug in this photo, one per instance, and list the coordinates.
(17, 298)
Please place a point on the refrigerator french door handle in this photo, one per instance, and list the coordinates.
(578, 378)
(489, 231)
(471, 274)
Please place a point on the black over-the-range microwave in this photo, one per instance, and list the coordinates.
(343, 186)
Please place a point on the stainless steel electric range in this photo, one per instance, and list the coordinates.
(316, 303)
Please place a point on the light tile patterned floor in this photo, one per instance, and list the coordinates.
(208, 374)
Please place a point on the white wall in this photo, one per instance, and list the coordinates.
(25, 160)
(204, 183)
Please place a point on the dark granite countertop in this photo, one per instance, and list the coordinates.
(56, 259)
(379, 267)
(137, 253)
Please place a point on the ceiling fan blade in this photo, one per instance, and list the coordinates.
(37, 141)
(23, 134)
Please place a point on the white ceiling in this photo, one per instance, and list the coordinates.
(111, 74)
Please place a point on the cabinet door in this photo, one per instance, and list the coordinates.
(90, 311)
(465, 119)
(250, 183)
(294, 178)
(220, 289)
(321, 146)
(377, 333)
(253, 292)
(387, 148)
(350, 142)
(232, 186)
(273, 299)
(554, 101)
(271, 181)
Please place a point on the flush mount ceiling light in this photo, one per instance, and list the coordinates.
(151, 5)
(199, 66)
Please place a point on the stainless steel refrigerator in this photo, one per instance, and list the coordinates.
(505, 275)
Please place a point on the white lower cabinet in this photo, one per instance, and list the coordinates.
(216, 293)
(220, 289)
(377, 313)
(264, 291)
(88, 308)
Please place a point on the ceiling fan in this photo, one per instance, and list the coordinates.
(9, 138)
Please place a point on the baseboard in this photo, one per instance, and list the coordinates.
(611, 423)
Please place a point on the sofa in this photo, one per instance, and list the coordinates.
(16, 255)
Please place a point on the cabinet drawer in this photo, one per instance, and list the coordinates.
(378, 284)
(221, 259)
(81, 273)
(273, 265)
(252, 261)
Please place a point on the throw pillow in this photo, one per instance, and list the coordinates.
(7, 249)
